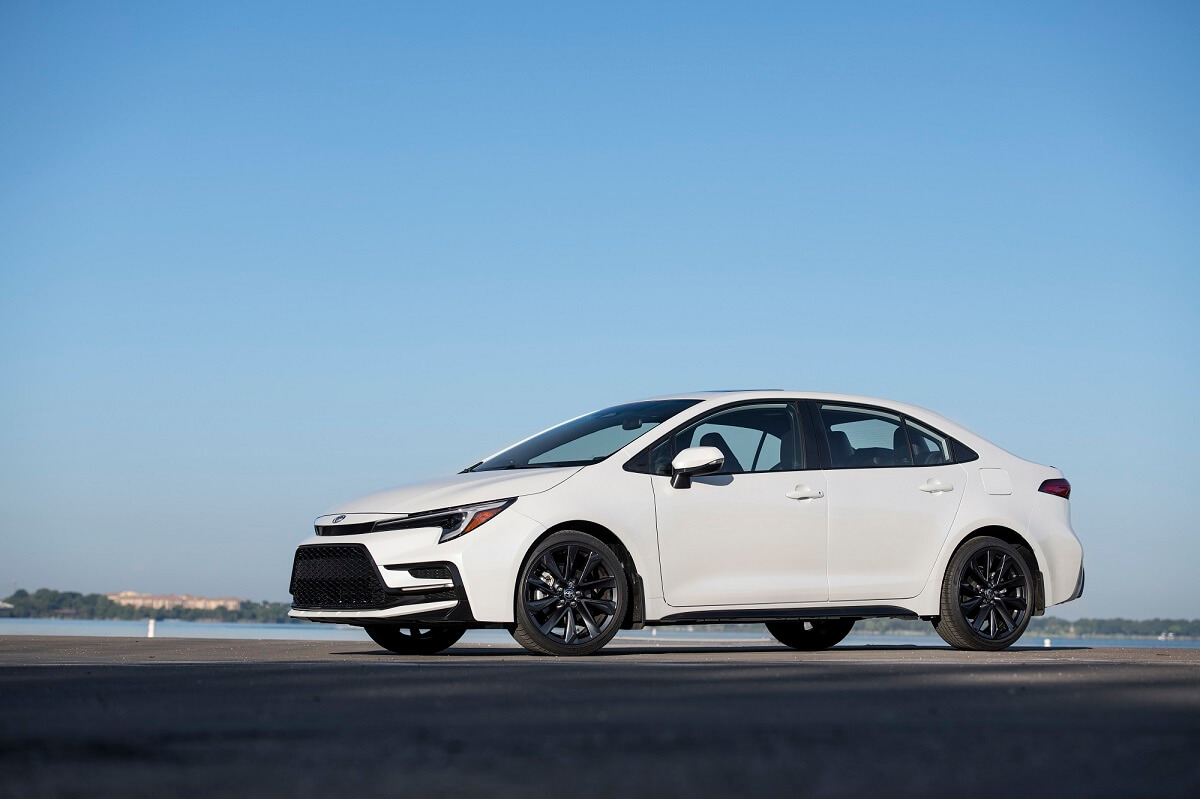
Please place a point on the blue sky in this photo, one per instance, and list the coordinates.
(256, 259)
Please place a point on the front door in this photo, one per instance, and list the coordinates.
(755, 532)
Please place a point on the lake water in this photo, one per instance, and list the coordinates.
(666, 636)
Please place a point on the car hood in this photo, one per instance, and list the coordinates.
(459, 489)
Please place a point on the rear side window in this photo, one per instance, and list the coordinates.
(929, 447)
(864, 438)
(962, 453)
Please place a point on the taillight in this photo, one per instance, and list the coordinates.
(1058, 487)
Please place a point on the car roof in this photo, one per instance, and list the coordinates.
(734, 395)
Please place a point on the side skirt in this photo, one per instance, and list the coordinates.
(784, 614)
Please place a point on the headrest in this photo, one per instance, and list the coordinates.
(717, 440)
(839, 448)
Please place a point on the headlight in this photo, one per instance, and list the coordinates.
(453, 521)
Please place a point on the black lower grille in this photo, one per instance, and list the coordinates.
(430, 572)
(336, 576)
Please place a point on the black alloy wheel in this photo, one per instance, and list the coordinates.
(409, 640)
(571, 596)
(987, 596)
(810, 635)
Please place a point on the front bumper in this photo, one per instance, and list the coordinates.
(342, 582)
(408, 576)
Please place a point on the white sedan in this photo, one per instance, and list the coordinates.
(805, 512)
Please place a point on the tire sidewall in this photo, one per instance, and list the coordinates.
(528, 627)
(954, 576)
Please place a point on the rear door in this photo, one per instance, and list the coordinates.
(893, 494)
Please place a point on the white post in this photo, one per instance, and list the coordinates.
(1046, 642)
(150, 629)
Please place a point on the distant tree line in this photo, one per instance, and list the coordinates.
(1049, 625)
(46, 603)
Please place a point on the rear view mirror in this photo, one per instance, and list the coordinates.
(693, 462)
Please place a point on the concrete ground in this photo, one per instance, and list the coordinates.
(177, 717)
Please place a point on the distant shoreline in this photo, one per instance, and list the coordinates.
(46, 603)
(1042, 633)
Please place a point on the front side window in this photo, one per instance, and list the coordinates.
(753, 438)
(864, 438)
(588, 439)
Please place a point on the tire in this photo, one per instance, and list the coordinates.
(987, 596)
(409, 640)
(810, 635)
(568, 580)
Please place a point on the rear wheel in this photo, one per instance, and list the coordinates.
(810, 635)
(986, 596)
(571, 596)
(411, 640)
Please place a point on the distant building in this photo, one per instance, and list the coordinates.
(5, 609)
(169, 601)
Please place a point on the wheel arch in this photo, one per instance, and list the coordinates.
(1023, 547)
(635, 614)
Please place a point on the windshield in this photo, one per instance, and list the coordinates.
(588, 439)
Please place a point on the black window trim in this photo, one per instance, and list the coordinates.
(822, 438)
(807, 443)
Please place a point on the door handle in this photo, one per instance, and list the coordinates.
(936, 486)
(804, 492)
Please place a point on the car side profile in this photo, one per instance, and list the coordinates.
(806, 512)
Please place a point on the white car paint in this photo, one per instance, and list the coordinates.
(885, 531)
(697, 457)
(738, 539)
(804, 540)
(458, 489)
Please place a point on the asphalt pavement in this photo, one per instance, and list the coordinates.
(98, 717)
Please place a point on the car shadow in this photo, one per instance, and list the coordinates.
(508, 651)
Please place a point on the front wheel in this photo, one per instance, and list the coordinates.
(571, 596)
(810, 635)
(986, 596)
(409, 640)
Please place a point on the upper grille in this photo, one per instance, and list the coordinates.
(336, 576)
(345, 529)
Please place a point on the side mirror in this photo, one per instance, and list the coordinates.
(693, 462)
